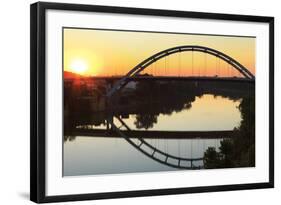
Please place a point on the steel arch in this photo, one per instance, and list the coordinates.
(144, 64)
(154, 150)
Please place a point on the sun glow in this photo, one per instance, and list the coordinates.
(79, 66)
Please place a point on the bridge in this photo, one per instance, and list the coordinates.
(135, 73)
(141, 140)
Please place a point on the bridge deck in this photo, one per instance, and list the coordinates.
(193, 78)
(168, 78)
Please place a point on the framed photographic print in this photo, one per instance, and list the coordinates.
(129, 102)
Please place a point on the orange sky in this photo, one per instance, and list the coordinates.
(107, 53)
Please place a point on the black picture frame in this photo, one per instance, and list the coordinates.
(38, 103)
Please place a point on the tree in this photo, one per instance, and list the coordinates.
(211, 158)
(145, 121)
(238, 151)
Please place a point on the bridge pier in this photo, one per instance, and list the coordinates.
(109, 122)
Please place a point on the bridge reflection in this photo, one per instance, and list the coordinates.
(89, 115)
(137, 139)
(154, 134)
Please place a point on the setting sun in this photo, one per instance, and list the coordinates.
(78, 66)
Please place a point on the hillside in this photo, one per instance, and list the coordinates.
(68, 74)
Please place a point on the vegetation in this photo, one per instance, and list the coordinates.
(240, 151)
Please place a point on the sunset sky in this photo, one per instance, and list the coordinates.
(106, 53)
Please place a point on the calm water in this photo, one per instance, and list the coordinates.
(88, 155)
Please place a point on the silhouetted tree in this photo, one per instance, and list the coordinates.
(145, 121)
(239, 151)
(211, 158)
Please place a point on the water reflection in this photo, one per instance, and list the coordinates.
(158, 126)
